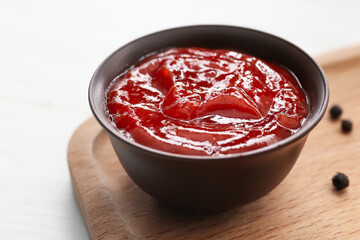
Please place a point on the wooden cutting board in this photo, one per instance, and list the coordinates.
(303, 206)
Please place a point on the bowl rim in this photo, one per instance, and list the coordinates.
(303, 131)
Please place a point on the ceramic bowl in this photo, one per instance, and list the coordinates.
(211, 183)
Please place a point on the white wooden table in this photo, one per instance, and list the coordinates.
(48, 53)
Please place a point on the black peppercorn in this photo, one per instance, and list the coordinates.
(335, 112)
(340, 181)
(346, 126)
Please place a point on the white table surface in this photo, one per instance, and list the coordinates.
(48, 53)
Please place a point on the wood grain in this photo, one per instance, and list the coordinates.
(303, 206)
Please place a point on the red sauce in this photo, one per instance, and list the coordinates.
(206, 102)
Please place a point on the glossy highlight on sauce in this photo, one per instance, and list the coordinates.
(199, 101)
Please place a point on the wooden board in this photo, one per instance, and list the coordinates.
(303, 206)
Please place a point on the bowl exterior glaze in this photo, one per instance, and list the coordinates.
(207, 185)
(221, 182)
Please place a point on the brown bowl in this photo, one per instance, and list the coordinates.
(211, 183)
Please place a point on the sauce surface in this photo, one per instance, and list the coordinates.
(206, 102)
